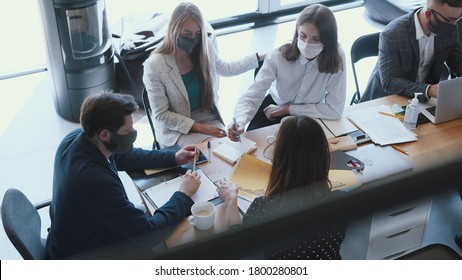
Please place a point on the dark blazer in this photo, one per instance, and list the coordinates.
(398, 62)
(90, 208)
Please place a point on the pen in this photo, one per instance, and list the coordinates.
(355, 165)
(399, 149)
(194, 162)
(235, 128)
(209, 147)
(392, 115)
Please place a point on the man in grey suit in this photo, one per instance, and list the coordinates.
(413, 49)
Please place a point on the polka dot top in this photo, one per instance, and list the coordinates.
(315, 245)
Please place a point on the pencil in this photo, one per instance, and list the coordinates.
(400, 149)
(194, 162)
(392, 115)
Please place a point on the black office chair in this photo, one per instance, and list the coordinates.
(364, 46)
(22, 224)
(148, 111)
(432, 252)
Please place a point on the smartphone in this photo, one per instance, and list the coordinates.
(202, 158)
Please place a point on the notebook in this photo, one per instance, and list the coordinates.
(251, 175)
(232, 151)
(448, 104)
(161, 193)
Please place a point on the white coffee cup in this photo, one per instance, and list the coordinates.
(203, 215)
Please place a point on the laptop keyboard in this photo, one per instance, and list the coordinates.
(431, 110)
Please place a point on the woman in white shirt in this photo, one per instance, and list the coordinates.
(305, 77)
(181, 79)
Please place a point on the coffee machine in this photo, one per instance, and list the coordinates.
(80, 52)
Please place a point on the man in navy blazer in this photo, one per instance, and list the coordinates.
(413, 49)
(91, 216)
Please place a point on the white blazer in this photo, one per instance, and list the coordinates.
(168, 96)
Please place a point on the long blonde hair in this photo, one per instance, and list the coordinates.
(199, 56)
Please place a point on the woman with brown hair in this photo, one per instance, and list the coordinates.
(181, 77)
(306, 77)
(298, 178)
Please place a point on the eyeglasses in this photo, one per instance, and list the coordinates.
(450, 21)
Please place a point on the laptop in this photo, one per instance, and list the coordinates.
(448, 105)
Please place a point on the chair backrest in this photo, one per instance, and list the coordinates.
(22, 225)
(432, 252)
(148, 111)
(364, 46)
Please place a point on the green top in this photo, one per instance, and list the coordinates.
(193, 88)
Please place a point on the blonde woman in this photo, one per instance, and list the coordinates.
(181, 79)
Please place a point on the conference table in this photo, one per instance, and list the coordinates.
(435, 145)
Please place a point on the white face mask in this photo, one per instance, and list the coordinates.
(309, 51)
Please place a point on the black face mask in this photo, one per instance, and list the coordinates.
(187, 43)
(441, 28)
(121, 143)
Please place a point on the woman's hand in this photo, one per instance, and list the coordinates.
(227, 191)
(232, 133)
(274, 111)
(211, 130)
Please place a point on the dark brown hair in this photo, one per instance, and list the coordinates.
(451, 3)
(301, 160)
(105, 111)
(329, 61)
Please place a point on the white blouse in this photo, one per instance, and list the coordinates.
(298, 83)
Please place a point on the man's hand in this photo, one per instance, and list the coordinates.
(274, 111)
(433, 91)
(186, 154)
(190, 183)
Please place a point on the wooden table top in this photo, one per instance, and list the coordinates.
(436, 144)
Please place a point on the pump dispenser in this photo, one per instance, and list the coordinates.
(412, 113)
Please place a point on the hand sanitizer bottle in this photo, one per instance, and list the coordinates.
(412, 113)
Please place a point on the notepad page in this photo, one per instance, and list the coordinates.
(343, 179)
(228, 153)
(382, 129)
(339, 127)
(245, 145)
(232, 151)
(161, 193)
(251, 175)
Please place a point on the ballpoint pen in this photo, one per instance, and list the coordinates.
(355, 165)
(235, 128)
(209, 147)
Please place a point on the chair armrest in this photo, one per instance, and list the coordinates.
(42, 204)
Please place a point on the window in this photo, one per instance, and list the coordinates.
(23, 47)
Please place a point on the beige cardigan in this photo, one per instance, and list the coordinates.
(169, 98)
